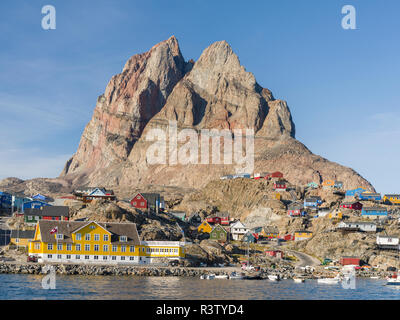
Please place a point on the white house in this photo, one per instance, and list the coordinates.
(238, 230)
(387, 242)
(357, 226)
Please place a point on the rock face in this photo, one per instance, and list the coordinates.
(215, 92)
(130, 100)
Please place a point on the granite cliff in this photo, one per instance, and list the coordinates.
(215, 92)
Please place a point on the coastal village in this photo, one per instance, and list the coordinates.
(311, 230)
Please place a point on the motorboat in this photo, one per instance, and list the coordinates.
(334, 280)
(221, 276)
(235, 276)
(273, 277)
(298, 280)
(393, 281)
(208, 276)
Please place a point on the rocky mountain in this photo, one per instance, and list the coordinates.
(157, 89)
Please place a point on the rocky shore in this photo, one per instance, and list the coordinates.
(153, 271)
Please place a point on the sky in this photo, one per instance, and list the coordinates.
(342, 86)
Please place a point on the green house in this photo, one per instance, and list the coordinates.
(218, 233)
(312, 185)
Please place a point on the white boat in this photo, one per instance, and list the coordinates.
(329, 280)
(221, 276)
(208, 276)
(235, 276)
(298, 280)
(273, 277)
(393, 281)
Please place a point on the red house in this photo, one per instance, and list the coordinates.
(276, 174)
(147, 201)
(280, 185)
(352, 205)
(344, 261)
(214, 220)
(274, 253)
(224, 216)
(288, 237)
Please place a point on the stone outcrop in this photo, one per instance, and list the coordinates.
(215, 92)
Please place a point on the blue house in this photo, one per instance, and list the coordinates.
(354, 192)
(370, 196)
(374, 212)
(312, 202)
(34, 204)
(40, 197)
(249, 238)
(18, 202)
(5, 200)
(312, 185)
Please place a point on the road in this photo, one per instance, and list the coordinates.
(304, 259)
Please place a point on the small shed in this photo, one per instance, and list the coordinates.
(346, 261)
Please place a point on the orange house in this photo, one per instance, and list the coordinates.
(328, 184)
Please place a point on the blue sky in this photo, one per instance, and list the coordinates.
(342, 86)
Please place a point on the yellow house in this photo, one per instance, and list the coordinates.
(302, 235)
(93, 242)
(204, 227)
(21, 238)
(392, 198)
(336, 214)
(269, 232)
(328, 184)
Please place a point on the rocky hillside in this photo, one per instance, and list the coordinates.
(215, 92)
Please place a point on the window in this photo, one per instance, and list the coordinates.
(96, 247)
(29, 217)
(96, 257)
(104, 257)
(49, 246)
(105, 248)
(69, 247)
(78, 247)
(60, 236)
(114, 248)
(78, 237)
(142, 203)
(17, 240)
(77, 257)
(87, 247)
(37, 246)
(134, 203)
(59, 246)
(123, 238)
(50, 256)
(132, 249)
(59, 256)
(122, 258)
(131, 258)
(96, 237)
(87, 236)
(86, 257)
(92, 227)
(123, 248)
(68, 256)
(113, 258)
(105, 237)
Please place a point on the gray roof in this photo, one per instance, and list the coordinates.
(51, 211)
(151, 197)
(26, 234)
(68, 227)
(295, 205)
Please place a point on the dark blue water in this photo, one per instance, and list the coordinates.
(24, 287)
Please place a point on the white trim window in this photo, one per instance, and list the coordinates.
(113, 258)
(68, 256)
(123, 238)
(104, 257)
(59, 246)
(87, 247)
(105, 248)
(69, 246)
(49, 246)
(122, 258)
(78, 247)
(60, 236)
(86, 257)
(105, 237)
(87, 236)
(96, 247)
(114, 248)
(77, 257)
(37, 246)
(131, 248)
(78, 237)
(96, 237)
(49, 256)
(59, 256)
(123, 248)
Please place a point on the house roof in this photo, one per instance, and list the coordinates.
(392, 195)
(20, 234)
(359, 222)
(302, 231)
(370, 194)
(374, 209)
(218, 226)
(238, 224)
(295, 205)
(151, 197)
(50, 211)
(68, 227)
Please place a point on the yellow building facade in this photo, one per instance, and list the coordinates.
(204, 227)
(92, 242)
(392, 198)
